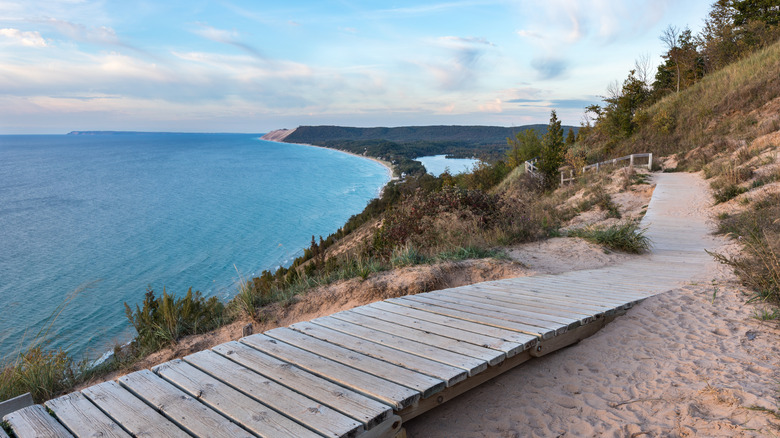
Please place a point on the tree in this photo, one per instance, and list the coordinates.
(570, 138)
(683, 66)
(553, 152)
(525, 146)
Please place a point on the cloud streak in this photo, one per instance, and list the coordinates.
(227, 37)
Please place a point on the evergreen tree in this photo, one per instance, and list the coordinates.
(570, 138)
(553, 152)
(525, 146)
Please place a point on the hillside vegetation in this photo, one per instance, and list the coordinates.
(714, 107)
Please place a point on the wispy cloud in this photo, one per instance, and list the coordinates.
(430, 8)
(227, 37)
(80, 32)
(466, 40)
(549, 67)
(461, 69)
(24, 38)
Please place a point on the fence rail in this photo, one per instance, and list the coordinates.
(630, 158)
(530, 165)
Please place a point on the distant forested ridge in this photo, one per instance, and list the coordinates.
(408, 142)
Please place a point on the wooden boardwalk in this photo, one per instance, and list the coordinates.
(362, 372)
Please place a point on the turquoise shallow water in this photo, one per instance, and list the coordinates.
(437, 164)
(115, 213)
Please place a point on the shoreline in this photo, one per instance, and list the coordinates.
(386, 164)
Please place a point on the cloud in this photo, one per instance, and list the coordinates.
(570, 21)
(558, 103)
(24, 38)
(495, 106)
(466, 41)
(227, 37)
(529, 34)
(549, 68)
(80, 32)
(462, 69)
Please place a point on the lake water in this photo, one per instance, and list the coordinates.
(437, 164)
(113, 214)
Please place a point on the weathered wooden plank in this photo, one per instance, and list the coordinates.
(191, 415)
(16, 403)
(249, 412)
(470, 364)
(481, 297)
(487, 355)
(520, 296)
(34, 421)
(508, 313)
(132, 413)
(364, 409)
(375, 387)
(83, 418)
(584, 304)
(598, 292)
(507, 347)
(512, 336)
(468, 315)
(449, 374)
(427, 385)
(585, 296)
(602, 289)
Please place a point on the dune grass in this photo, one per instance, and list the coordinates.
(626, 236)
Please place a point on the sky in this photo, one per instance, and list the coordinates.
(255, 66)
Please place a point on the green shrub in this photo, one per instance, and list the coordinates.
(163, 320)
(728, 193)
(626, 237)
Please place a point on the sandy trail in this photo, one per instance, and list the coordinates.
(688, 362)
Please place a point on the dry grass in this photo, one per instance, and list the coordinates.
(726, 104)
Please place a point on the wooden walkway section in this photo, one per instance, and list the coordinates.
(362, 372)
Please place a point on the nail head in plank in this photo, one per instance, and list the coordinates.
(83, 418)
(34, 421)
(188, 413)
(375, 387)
(132, 413)
(364, 409)
(248, 412)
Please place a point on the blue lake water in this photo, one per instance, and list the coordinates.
(437, 164)
(113, 214)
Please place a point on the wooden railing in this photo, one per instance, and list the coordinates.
(630, 158)
(530, 165)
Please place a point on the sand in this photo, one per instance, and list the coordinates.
(691, 362)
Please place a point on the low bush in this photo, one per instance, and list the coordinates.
(163, 320)
(758, 230)
(626, 236)
(42, 373)
(728, 193)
